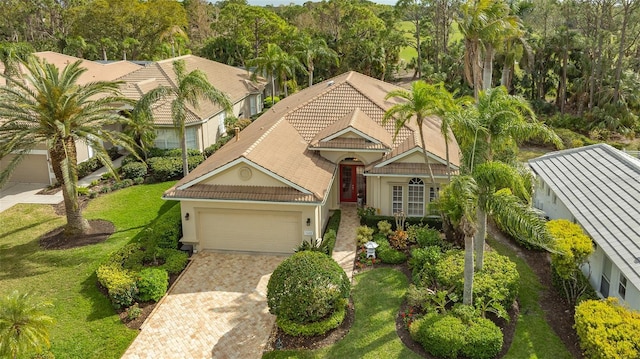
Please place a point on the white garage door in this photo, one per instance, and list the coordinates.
(247, 230)
(32, 169)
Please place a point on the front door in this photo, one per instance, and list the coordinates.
(351, 182)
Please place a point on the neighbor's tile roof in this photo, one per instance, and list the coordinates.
(95, 71)
(601, 188)
(279, 141)
(234, 82)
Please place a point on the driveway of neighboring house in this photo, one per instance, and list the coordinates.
(216, 309)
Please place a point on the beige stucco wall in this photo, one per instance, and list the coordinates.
(237, 175)
(82, 150)
(34, 168)
(313, 211)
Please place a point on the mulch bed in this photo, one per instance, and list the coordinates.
(146, 307)
(99, 231)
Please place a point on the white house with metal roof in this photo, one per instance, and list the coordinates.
(598, 187)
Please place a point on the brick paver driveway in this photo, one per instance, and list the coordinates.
(217, 309)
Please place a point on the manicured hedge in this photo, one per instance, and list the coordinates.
(608, 330)
(423, 265)
(447, 336)
(152, 284)
(372, 221)
(170, 168)
(388, 254)
(307, 287)
(134, 170)
(498, 279)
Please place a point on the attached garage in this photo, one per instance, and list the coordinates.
(249, 230)
(34, 168)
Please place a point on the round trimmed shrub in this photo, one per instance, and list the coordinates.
(483, 339)
(174, 260)
(152, 284)
(307, 287)
(315, 328)
(133, 170)
(440, 335)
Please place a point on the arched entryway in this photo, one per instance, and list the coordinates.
(353, 186)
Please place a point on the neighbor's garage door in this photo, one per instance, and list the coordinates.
(32, 169)
(247, 230)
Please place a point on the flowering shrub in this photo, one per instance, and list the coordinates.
(399, 239)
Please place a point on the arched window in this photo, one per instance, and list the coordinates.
(415, 200)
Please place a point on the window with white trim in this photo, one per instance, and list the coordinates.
(396, 199)
(622, 286)
(222, 128)
(433, 193)
(605, 279)
(415, 200)
(168, 138)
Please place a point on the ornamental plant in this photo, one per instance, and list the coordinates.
(307, 287)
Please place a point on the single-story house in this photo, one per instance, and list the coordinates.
(597, 187)
(205, 124)
(36, 168)
(274, 185)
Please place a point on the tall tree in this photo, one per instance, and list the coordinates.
(310, 49)
(490, 129)
(482, 23)
(24, 328)
(268, 64)
(422, 103)
(416, 12)
(11, 54)
(51, 108)
(458, 202)
(190, 89)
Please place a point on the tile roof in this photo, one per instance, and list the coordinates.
(355, 120)
(95, 71)
(601, 188)
(279, 140)
(235, 82)
(350, 143)
(409, 169)
(246, 193)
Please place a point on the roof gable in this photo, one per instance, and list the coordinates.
(601, 188)
(357, 124)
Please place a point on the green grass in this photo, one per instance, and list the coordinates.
(86, 325)
(524, 155)
(377, 295)
(533, 338)
(407, 28)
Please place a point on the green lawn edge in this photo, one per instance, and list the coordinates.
(86, 325)
(377, 295)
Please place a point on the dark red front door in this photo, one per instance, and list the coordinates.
(350, 182)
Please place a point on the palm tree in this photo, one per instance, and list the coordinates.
(423, 101)
(494, 126)
(141, 127)
(268, 64)
(51, 108)
(458, 203)
(286, 66)
(24, 327)
(483, 23)
(190, 89)
(310, 49)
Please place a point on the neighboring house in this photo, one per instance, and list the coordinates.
(35, 167)
(205, 124)
(273, 186)
(598, 187)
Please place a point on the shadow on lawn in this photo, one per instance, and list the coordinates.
(24, 228)
(100, 305)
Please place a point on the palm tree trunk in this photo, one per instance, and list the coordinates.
(480, 237)
(424, 152)
(487, 68)
(183, 145)
(65, 167)
(467, 294)
(310, 69)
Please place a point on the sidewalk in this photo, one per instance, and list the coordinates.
(13, 193)
(344, 251)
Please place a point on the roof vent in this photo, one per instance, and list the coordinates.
(330, 83)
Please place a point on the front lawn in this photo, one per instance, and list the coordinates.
(377, 294)
(86, 326)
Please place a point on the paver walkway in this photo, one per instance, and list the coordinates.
(344, 251)
(217, 309)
